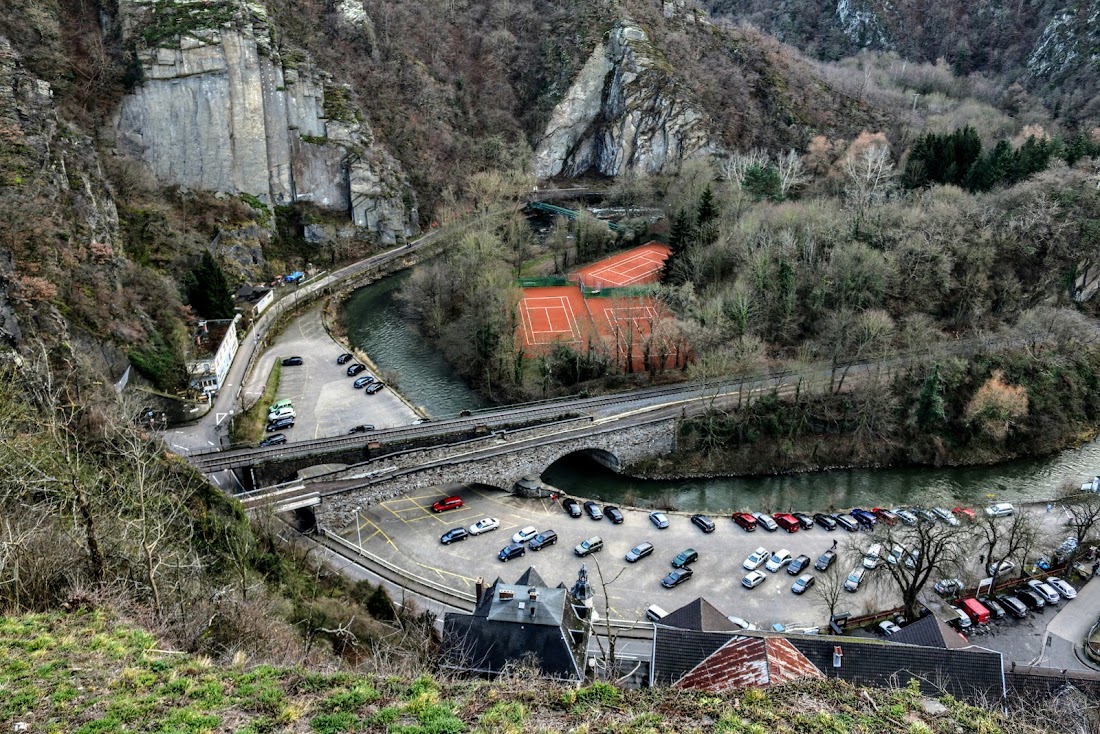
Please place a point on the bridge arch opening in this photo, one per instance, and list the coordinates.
(594, 458)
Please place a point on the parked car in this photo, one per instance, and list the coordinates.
(863, 517)
(1013, 605)
(924, 515)
(957, 618)
(675, 578)
(1001, 568)
(974, 609)
(362, 381)
(593, 510)
(362, 428)
(1063, 588)
(355, 369)
(741, 623)
(826, 521)
(685, 557)
(453, 536)
(778, 560)
(887, 628)
(802, 583)
(855, 578)
(375, 387)
(639, 552)
(766, 521)
(543, 539)
(659, 520)
(755, 558)
(887, 516)
(944, 515)
(279, 405)
(484, 525)
(590, 546)
(512, 550)
(947, 587)
(447, 503)
(905, 516)
(787, 521)
(964, 513)
(343, 358)
(746, 521)
(911, 558)
(753, 579)
(1045, 590)
(994, 607)
(524, 534)
(614, 514)
(292, 362)
(896, 554)
(804, 520)
(847, 522)
(1000, 509)
(1031, 600)
(825, 560)
(273, 440)
(703, 522)
(280, 424)
(571, 506)
(873, 557)
(798, 565)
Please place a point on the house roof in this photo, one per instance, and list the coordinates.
(699, 614)
(745, 662)
(927, 631)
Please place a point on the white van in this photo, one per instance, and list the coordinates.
(654, 613)
(286, 412)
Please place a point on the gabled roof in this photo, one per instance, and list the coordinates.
(530, 577)
(745, 662)
(927, 631)
(699, 615)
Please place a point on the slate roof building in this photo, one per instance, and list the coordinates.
(513, 623)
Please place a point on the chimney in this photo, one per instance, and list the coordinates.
(479, 589)
(507, 594)
(533, 594)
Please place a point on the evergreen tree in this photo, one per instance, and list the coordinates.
(208, 289)
(930, 412)
(708, 209)
(679, 239)
(762, 182)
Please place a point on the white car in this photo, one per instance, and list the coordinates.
(855, 578)
(742, 623)
(905, 516)
(522, 536)
(755, 558)
(946, 516)
(896, 555)
(753, 579)
(1050, 596)
(887, 627)
(873, 557)
(1063, 588)
(1001, 509)
(484, 525)
(778, 560)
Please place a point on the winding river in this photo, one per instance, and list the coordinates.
(376, 325)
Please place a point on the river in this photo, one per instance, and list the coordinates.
(377, 326)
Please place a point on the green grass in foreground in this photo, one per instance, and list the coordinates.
(88, 673)
(249, 426)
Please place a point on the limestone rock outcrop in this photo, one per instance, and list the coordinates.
(223, 107)
(624, 113)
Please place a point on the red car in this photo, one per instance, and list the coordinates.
(448, 503)
(965, 513)
(745, 520)
(787, 521)
(887, 516)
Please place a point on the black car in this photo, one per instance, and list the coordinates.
(675, 578)
(685, 557)
(343, 358)
(1014, 606)
(453, 535)
(848, 523)
(280, 424)
(614, 514)
(703, 522)
(512, 550)
(1031, 600)
(826, 521)
(804, 520)
(995, 609)
(543, 539)
(362, 428)
(798, 565)
(825, 560)
(375, 387)
(571, 506)
(275, 440)
(355, 369)
(593, 510)
(362, 381)
(292, 361)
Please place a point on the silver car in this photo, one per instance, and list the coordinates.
(1050, 596)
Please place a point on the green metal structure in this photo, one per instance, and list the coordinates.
(561, 211)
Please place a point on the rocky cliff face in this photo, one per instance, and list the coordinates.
(224, 107)
(624, 113)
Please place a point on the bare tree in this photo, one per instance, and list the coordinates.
(870, 175)
(1003, 539)
(926, 549)
(828, 588)
(734, 168)
(791, 172)
(609, 653)
(1083, 515)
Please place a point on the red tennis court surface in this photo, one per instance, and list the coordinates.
(636, 266)
(552, 314)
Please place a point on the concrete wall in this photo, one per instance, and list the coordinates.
(615, 447)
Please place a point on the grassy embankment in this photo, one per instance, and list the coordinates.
(88, 672)
(248, 427)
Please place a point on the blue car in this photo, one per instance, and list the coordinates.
(659, 519)
(363, 381)
(863, 517)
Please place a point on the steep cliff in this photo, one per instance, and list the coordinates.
(625, 112)
(223, 106)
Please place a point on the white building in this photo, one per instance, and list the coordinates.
(215, 347)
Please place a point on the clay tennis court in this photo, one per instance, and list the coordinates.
(637, 266)
(553, 314)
